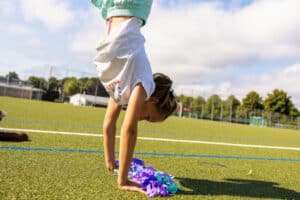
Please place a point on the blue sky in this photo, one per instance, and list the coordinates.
(224, 47)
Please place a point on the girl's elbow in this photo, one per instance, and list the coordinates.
(129, 130)
(108, 126)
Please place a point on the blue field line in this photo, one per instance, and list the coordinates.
(12, 148)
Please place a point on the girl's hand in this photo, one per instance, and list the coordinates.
(132, 186)
(110, 166)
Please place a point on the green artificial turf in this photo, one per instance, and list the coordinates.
(43, 174)
(64, 117)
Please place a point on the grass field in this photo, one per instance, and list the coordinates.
(53, 166)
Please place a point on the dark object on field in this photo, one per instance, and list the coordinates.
(2, 114)
(213, 164)
(13, 137)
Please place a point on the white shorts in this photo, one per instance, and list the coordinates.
(122, 61)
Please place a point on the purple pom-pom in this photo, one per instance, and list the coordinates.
(117, 163)
(136, 161)
(153, 182)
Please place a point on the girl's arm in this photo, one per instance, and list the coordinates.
(129, 136)
(109, 133)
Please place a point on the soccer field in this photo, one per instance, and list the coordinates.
(210, 160)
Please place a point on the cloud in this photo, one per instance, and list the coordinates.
(186, 40)
(284, 78)
(54, 14)
(91, 30)
(7, 8)
(196, 43)
(33, 42)
(18, 29)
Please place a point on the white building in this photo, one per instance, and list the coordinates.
(88, 100)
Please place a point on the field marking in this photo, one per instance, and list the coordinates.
(12, 148)
(158, 139)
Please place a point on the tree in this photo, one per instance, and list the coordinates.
(197, 105)
(294, 112)
(12, 75)
(52, 90)
(185, 100)
(38, 82)
(94, 86)
(231, 106)
(279, 102)
(53, 84)
(251, 103)
(71, 86)
(179, 98)
(84, 84)
(212, 107)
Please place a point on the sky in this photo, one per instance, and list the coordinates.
(206, 46)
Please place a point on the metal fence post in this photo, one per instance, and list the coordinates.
(212, 110)
(202, 110)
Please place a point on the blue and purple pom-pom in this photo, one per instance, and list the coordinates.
(154, 182)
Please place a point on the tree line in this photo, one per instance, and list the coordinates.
(277, 103)
(61, 89)
(277, 106)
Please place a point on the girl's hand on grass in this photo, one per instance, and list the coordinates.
(110, 166)
(132, 186)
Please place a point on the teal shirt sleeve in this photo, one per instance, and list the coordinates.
(97, 3)
(135, 8)
(103, 8)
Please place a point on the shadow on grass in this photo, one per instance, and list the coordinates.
(236, 187)
(13, 137)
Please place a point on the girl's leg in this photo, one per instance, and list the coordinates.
(109, 133)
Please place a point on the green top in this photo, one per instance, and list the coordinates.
(135, 8)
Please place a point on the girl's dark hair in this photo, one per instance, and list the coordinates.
(164, 93)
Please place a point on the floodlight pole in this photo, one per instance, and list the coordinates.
(7, 83)
(50, 74)
(212, 110)
(221, 113)
(96, 90)
(230, 117)
(202, 110)
(180, 109)
(63, 89)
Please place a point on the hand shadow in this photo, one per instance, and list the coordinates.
(236, 187)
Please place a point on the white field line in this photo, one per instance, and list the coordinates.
(157, 139)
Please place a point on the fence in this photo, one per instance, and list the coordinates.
(61, 73)
(17, 88)
(241, 116)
